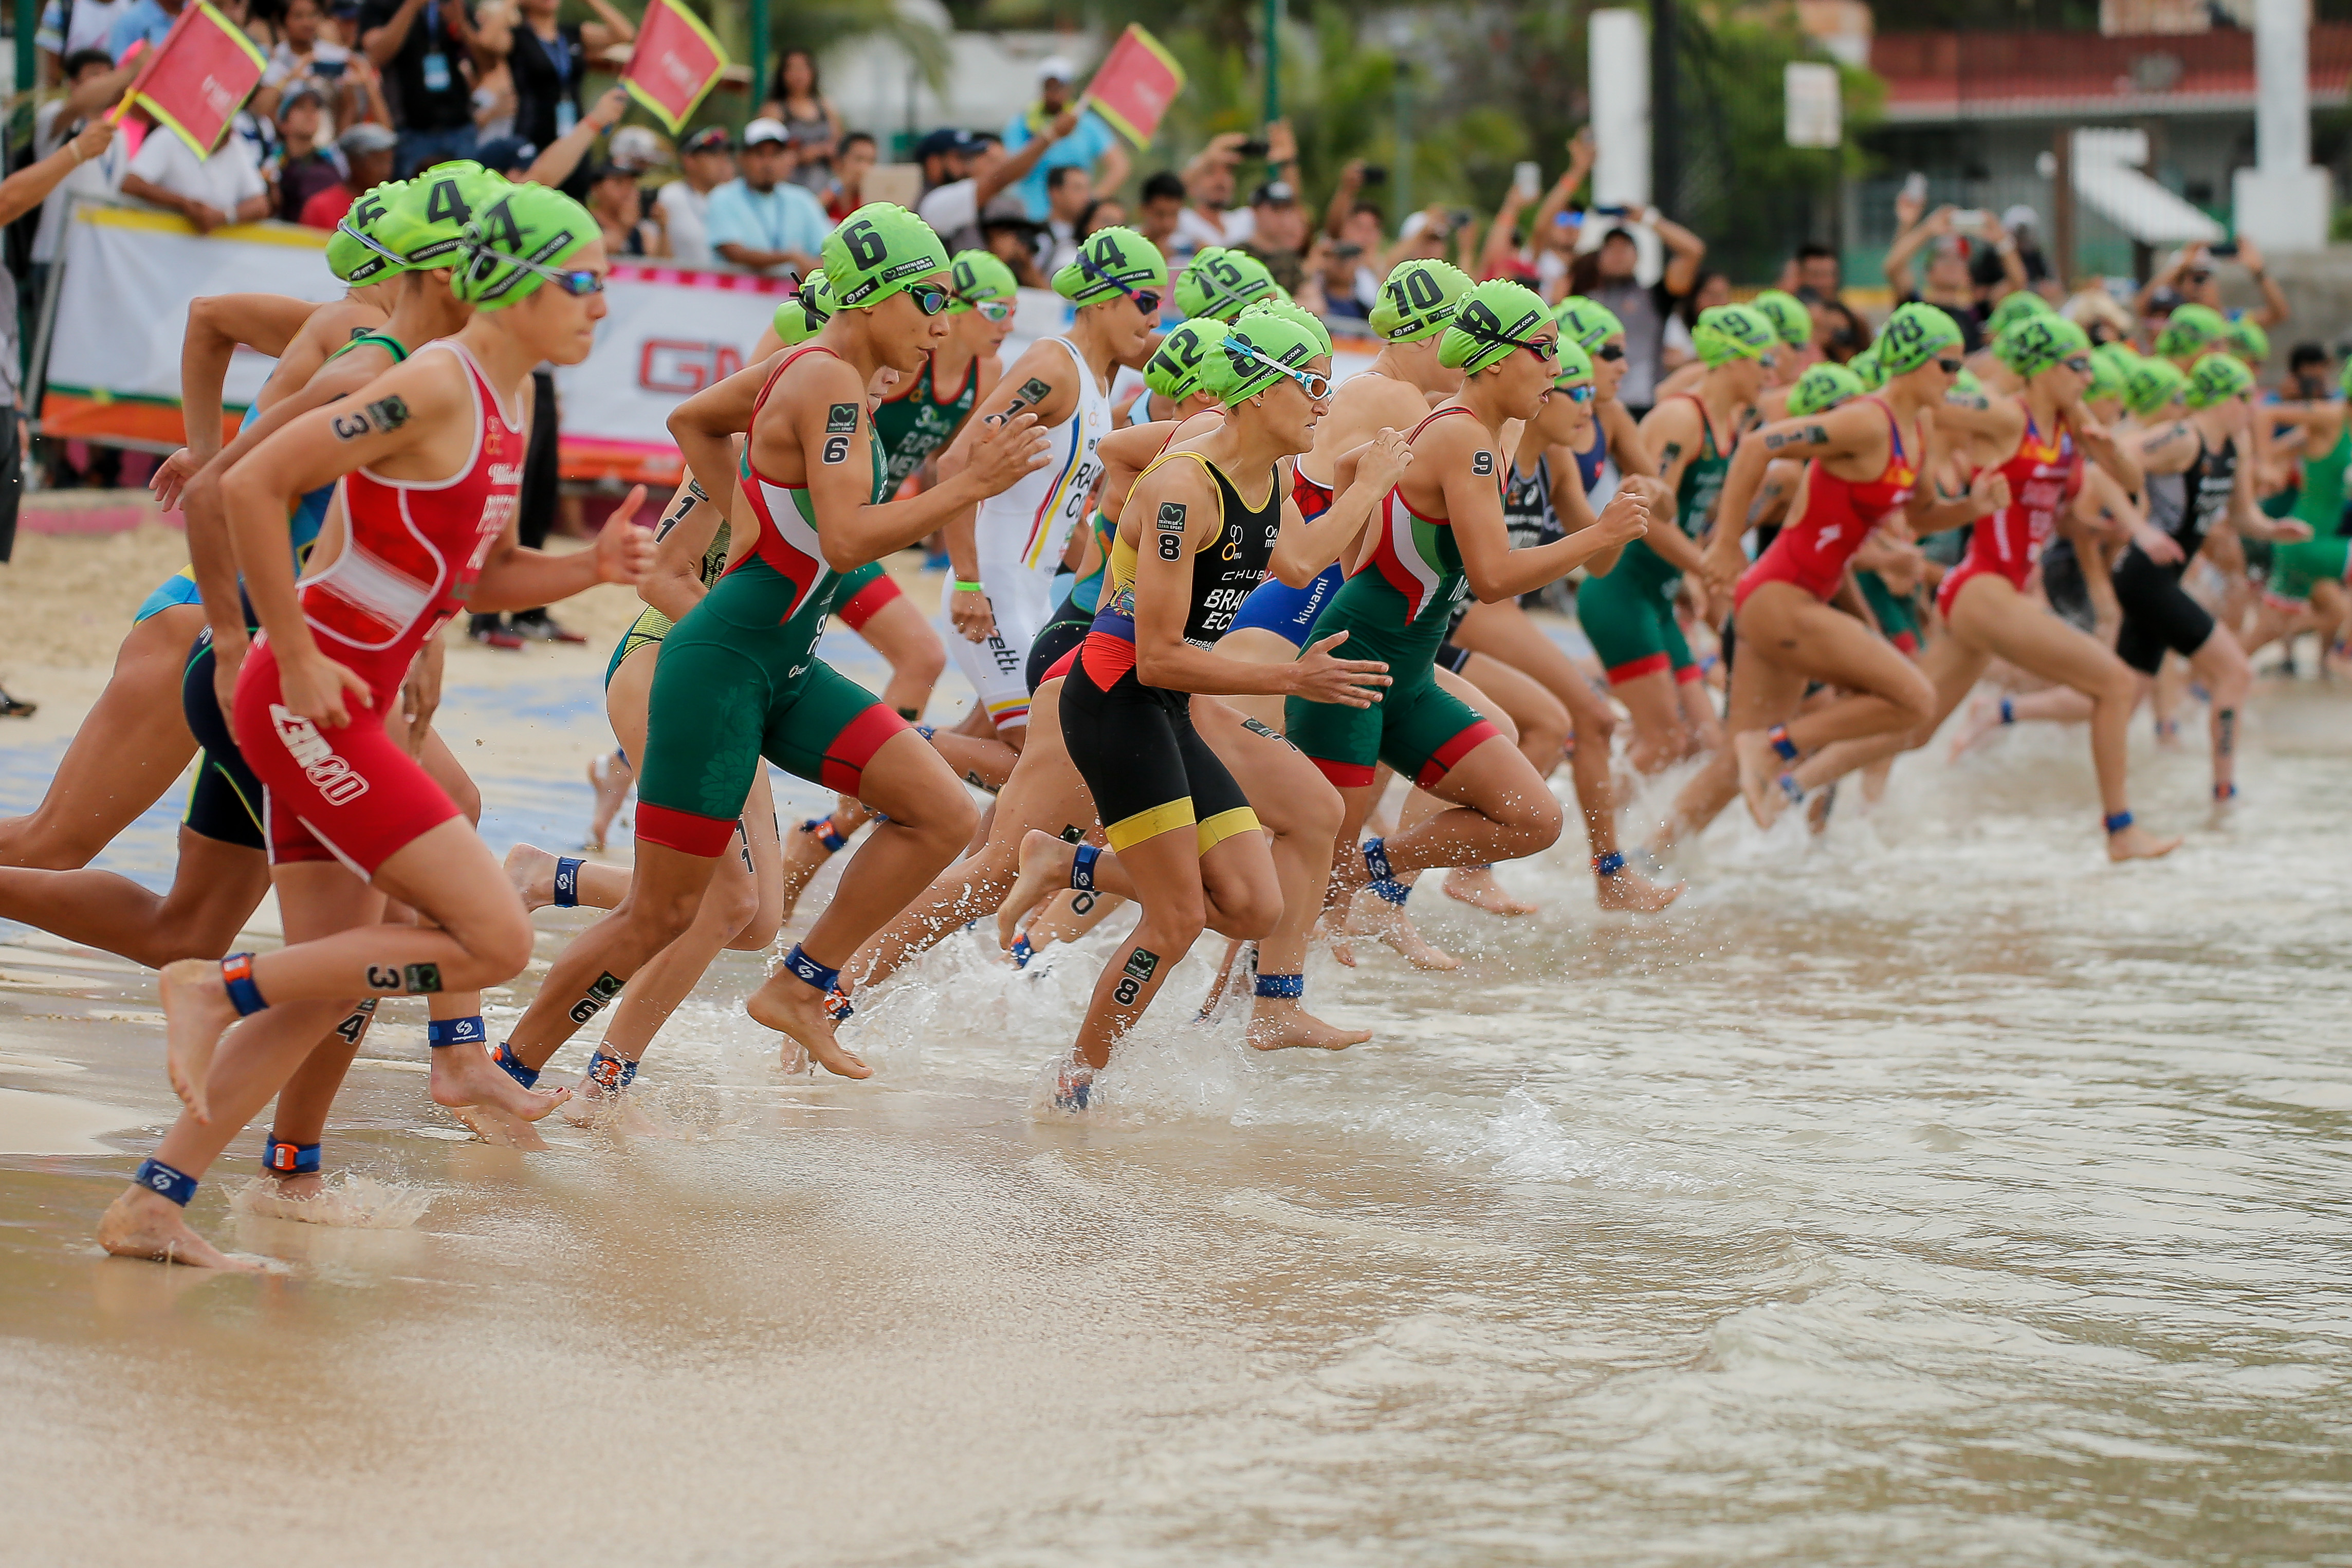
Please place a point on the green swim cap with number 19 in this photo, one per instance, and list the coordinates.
(1417, 300)
(527, 228)
(1727, 332)
(882, 250)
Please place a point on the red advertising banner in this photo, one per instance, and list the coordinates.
(199, 77)
(1137, 82)
(675, 63)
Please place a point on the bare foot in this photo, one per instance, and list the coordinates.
(1981, 719)
(795, 1009)
(1389, 923)
(1278, 1023)
(494, 1126)
(610, 775)
(1476, 887)
(1759, 776)
(1627, 889)
(532, 872)
(143, 1224)
(615, 1110)
(1817, 811)
(1045, 861)
(2136, 843)
(1332, 930)
(464, 1075)
(196, 1013)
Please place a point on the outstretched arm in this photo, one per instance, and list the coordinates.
(1365, 474)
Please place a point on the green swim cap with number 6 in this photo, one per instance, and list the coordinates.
(2217, 378)
(1589, 323)
(1417, 299)
(1915, 334)
(2151, 385)
(803, 316)
(1253, 354)
(527, 227)
(881, 250)
(1822, 388)
(1788, 315)
(1728, 332)
(350, 257)
(2189, 329)
(974, 275)
(1491, 320)
(1220, 282)
(1173, 371)
(1111, 262)
(2034, 342)
(2015, 307)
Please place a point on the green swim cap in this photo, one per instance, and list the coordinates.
(350, 257)
(1220, 281)
(1253, 353)
(2217, 378)
(528, 226)
(977, 274)
(2152, 383)
(1111, 260)
(881, 250)
(803, 316)
(1728, 332)
(2248, 340)
(2107, 379)
(2037, 341)
(1173, 371)
(1417, 300)
(1964, 385)
(2189, 330)
(1590, 324)
(1822, 388)
(1915, 334)
(425, 223)
(1297, 315)
(1788, 315)
(2015, 307)
(1575, 364)
(1490, 320)
(1867, 369)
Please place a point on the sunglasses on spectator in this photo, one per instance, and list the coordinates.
(1315, 385)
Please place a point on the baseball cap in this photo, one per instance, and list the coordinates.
(765, 129)
(1273, 193)
(709, 138)
(365, 138)
(1057, 68)
(301, 88)
(635, 149)
(505, 153)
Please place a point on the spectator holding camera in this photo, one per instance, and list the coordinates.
(1608, 276)
(1945, 234)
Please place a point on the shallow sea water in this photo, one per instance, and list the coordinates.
(1929, 1193)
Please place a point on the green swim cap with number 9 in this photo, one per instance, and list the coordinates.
(1822, 388)
(1417, 299)
(2217, 378)
(1253, 354)
(880, 251)
(974, 275)
(349, 256)
(1173, 371)
(1111, 262)
(1915, 334)
(527, 224)
(1788, 315)
(1728, 332)
(2189, 328)
(1587, 323)
(1220, 282)
(2035, 341)
(1490, 321)
(2151, 384)
(2015, 307)
(803, 316)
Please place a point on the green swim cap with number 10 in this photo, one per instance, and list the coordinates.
(882, 250)
(1417, 300)
(527, 227)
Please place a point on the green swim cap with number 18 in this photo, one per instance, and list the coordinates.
(1417, 300)
(1915, 334)
(882, 250)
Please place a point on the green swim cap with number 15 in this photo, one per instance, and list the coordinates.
(882, 250)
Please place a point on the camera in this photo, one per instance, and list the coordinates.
(1253, 149)
(1375, 174)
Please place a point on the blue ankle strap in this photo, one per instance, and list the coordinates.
(1376, 862)
(175, 1184)
(1778, 736)
(1021, 951)
(810, 972)
(1393, 891)
(2008, 711)
(236, 975)
(1289, 987)
(1609, 864)
(827, 833)
(282, 1158)
(567, 882)
(506, 1058)
(1082, 868)
(439, 1032)
(2118, 823)
(610, 1073)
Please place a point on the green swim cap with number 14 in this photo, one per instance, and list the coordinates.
(882, 250)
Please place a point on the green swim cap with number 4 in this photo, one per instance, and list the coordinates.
(880, 251)
(1110, 263)
(1587, 323)
(1173, 371)
(2015, 307)
(2189, 329)
(1915, 334)
(2217, 378)
(803, 316)
(516, 242)
(2034, 342)
(350, 257)
(1417, 300)
(1728, 332)
(1220, 282)
(1788, 315)
(974, 275)
(425, 223)
(1490, 321)
(1822, 388)
(1255, 354)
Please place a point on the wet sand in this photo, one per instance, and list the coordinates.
(1933, 1194)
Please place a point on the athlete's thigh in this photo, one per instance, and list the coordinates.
(1505, 632)
(1787, 627)
(826, 729)
(1426, 729)
(1521, 697)
(1764, 691)
(1046, 790)
(1652, 700)
(898, 632)
(706, 714)
(1221, 807)
(320, 898)
(449, 875)
(627, 699)
(2040, 643)
(441, 765)
(1285, 789)
(1486, 773)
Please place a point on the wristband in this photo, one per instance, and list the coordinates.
(963, 587)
